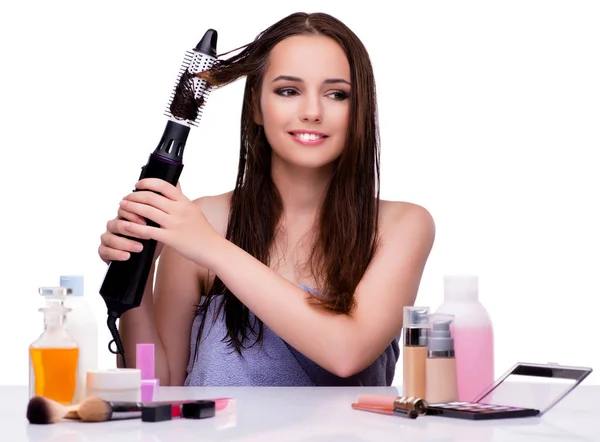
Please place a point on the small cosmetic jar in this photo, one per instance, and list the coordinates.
(115, 384)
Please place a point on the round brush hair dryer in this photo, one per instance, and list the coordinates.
(125, 281)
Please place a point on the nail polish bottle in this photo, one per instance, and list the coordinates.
(414, 351)
(441, 382)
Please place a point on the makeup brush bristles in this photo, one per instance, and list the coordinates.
(94, 409)
(41, 410)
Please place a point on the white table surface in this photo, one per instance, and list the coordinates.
(307, 414)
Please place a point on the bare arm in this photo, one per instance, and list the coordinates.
(164, 317)
(342, 344)
(179, 284)
(176, 295)
(137, 326)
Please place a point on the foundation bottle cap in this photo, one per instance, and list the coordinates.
(415, 324)
(416, 317)
(440, 338)
(461, 288)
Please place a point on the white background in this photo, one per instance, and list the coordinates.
(489, 118)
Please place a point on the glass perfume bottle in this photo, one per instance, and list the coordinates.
(54, 355)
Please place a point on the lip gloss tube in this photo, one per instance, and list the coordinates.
(388, 401)
(416, 325)
(410, 414)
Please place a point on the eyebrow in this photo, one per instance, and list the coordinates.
(299, 80)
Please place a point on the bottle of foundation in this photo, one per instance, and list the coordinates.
(416, 323)
(441, 381)
(54, 355)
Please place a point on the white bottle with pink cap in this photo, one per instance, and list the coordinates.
(473, 335)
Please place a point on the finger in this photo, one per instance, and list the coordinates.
(161, 186)
(152, 213)
(116, 227)
(120, 243)
(125, 214)
(150, 199)
(107, 254)
(145, 232)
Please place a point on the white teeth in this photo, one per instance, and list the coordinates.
(308, 137)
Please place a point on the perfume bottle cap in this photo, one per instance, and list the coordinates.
(54, 292)
(461, 287)
(440, 338)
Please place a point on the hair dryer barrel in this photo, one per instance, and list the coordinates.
(125, 281)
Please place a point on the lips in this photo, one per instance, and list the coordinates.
(309, 138)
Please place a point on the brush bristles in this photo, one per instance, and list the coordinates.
(94, 409)
(41, 410)
(193, 63)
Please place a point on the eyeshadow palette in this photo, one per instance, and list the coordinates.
(530, 389)
(476, 411)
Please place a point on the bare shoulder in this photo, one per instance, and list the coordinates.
(402, 219)
(216, 210)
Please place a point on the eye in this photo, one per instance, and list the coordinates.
(286, 92)
(339, 95)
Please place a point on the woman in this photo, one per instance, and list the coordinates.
(299, 275)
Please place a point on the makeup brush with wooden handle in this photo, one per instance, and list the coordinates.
(41, 410)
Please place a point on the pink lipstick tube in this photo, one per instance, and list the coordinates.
(144, 361)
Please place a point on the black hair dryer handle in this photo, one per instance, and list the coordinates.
(125, 281)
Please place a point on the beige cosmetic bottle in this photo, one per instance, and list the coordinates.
(441, 382)
(416, 323)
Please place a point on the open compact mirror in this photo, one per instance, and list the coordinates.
(523, 391)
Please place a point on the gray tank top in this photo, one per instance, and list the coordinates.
(272, 362)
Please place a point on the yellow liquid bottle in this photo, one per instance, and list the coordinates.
(53, 356)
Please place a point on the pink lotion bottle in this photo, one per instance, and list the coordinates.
(473, 335)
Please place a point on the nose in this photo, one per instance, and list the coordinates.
(311, 110)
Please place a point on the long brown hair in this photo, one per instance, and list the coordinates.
(346, 236)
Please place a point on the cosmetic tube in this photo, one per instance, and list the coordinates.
(407, 403)
(441, 382)
(410, 414)
(414, 351)
(144, 360)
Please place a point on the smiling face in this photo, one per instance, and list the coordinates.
(304, 101)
